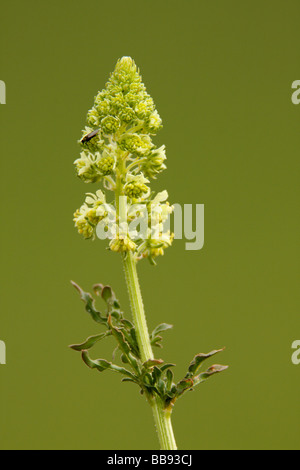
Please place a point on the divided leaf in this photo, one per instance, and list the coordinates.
(198, 360)
(156, 341)
(183, 386)
(124, 346)
(102, 364)
(152, 362)
(155, 337)
(160, 328)
(90, 342)
(153, 376)
(167, 366)
(215, 369)
(108, 295)
(191, 379)
(188, 383)
(169, 377)
(90, 305)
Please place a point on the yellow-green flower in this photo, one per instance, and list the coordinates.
(118, 151)
(122, 243)
(136, 186)
(90, 214)
(154, 163)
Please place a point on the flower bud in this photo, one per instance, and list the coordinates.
(106, 164)
(87, 168)
(155, 122)
(103, 107)
(110, 124)
(94, 144)
(136, 144)
(154, 163)
(145, 108)
(127, 115)
(135, 186)
(90, 214)
(121, 244)
(93, 118)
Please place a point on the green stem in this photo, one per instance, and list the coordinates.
(162, 416)
(137, 307)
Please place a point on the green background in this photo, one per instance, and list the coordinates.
(220, 74)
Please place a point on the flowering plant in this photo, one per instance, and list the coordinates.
(117, 149)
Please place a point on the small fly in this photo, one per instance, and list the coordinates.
(88, 137)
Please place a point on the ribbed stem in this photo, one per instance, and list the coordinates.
(162, 416)
(137, 307)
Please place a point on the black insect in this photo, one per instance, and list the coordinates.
(88, 137)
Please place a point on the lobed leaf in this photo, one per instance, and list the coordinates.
(152, 362)
(123, 344)
(188, 383)
(107, 295)
(169, 381)
(118, 334)
(198, 360)
(160, 328)
(215, 369)
(166, 366)
(183, 386)
(90, 305)
(156, 341)
(90, 342)
(102, 364)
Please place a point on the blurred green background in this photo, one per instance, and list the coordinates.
(220, 74)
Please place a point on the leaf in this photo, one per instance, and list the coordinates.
(134, 338)
(99, 364)
(171, 394)
(107, 295)
(127, 379)
(189, 383)
(156, 374)
(169, 376)
(97, 288)
(198, 360)
(155, 338)
(152, 362)
(89, 343)
(215, 369)
(160, 328)
(161, 385)
(132, 341)
(124, 346)
(183, 386)
(127, 324)
(148, 380)
(90, 305)
(156, 341)
(102, 364)
(167, 366)
(124, 359)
